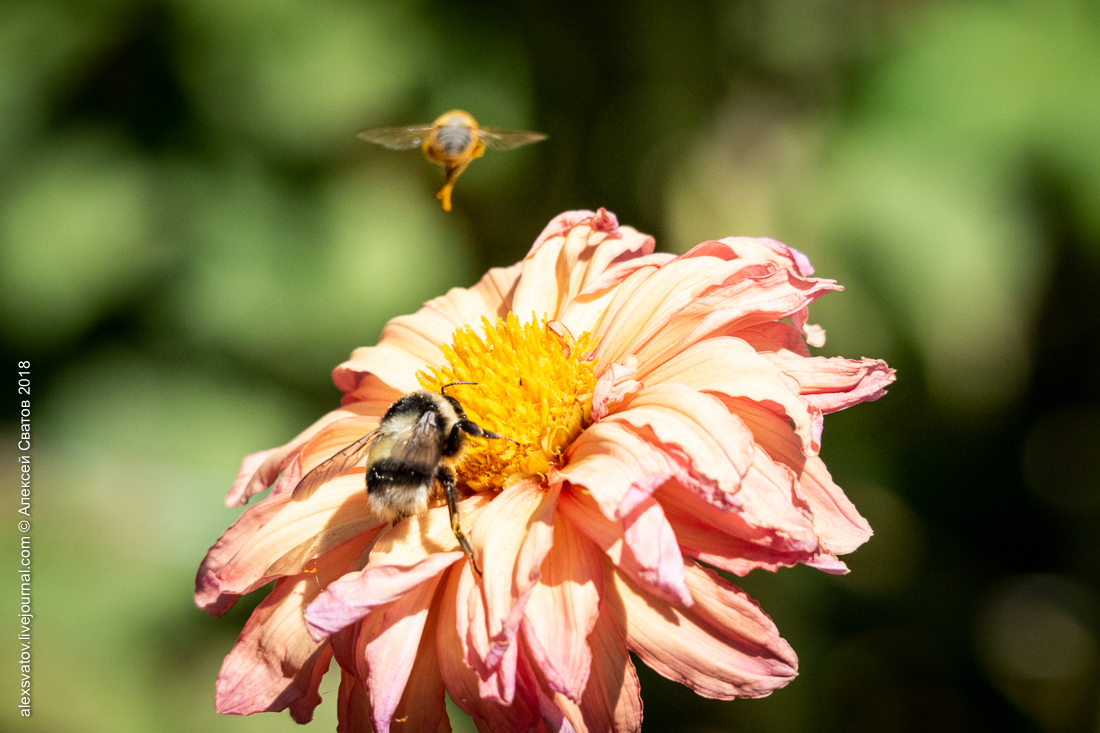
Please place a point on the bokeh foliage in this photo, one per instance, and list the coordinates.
(191, 238)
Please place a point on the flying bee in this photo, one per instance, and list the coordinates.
(410, 456)
(453, 140)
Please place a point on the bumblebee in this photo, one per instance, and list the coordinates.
(452, 141)
(410, 457)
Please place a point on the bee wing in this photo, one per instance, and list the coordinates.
(507, 139)
(423, 445)
(338, 465)
(396, 138)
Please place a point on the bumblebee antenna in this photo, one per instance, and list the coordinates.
(443, 389)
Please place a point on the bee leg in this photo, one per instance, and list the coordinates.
(453, 171)
(472, 428)
(447, 479)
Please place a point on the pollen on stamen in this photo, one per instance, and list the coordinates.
(534, 385)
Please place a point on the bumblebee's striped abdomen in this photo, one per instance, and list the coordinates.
(400, 489)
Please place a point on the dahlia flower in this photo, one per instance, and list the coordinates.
(667, 417)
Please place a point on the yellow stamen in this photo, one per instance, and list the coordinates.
(534, 385)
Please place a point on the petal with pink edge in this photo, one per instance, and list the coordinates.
(274, 663)
(725, 648)
(641, 544)
(461, 681)
(510, 538)
(562, 610)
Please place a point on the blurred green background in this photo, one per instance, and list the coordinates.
(191, 238)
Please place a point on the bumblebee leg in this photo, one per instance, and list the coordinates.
(472, 428)
(447, 479)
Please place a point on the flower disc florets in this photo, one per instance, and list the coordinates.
(533, 384)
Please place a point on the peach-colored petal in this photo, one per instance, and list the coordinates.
(649, 299)
(756, 296)
(772, 336)
(612, 700)
(837, 523)
(729, 366)
(510, 538)
(409, 343)
(579, 252)
(713, 447)
(614, 385)
(618, 467)
(835, 383)
(208, 595)
(390, 652)
(353, 705)
(728, 543)
(562, 610)
(755, 249)
(723, 648)
(461, 681)
(641, 543)
(404, 556)
(274, 663)
(357, 594)
(298, 532)
(253, 479)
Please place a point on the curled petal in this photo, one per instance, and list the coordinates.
(511, 537)
(562, 610)
(401, 667)
(712, 446)
(274, 663)
(641, 544)
(298, 532)
(406, 555)
(836, 383)
(614, 386)
(461, 681)
(724, 647)
(730, 367)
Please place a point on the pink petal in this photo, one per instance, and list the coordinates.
(390, 653)
(612, 700)
(614, 385)
(712, 446)
(404, 556)
(298, 532)
(836, 521)
(642, 544)
(835, 383)
(461, 681)
(274, 663)
(757, 295)
(253, 479)
(510, 537)
(409, 343)
(649, 299)
(562, 610)
(353, 707)
(725, 647)
(730, 367)
(619, 468)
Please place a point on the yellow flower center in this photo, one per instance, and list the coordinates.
(534, 385)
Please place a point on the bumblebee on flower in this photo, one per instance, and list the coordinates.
(666, 422)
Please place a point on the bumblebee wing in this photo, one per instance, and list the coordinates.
(396, 138)
(422, 444)
(507, 139)
(338, 465)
